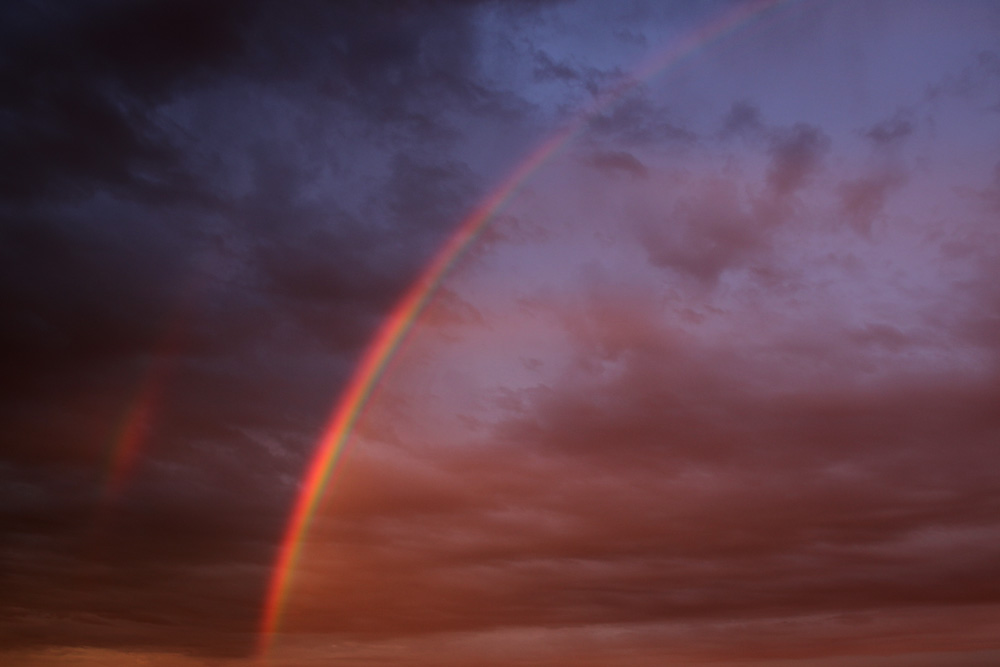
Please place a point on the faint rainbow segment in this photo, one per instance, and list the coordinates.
(403, 316)
(143, 410)
(133, 432)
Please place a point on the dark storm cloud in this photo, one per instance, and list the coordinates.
(337, 271)
(80, 81)
(85, 81)
(99, 283)
(155, 232)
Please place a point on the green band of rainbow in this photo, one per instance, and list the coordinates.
(401, 319)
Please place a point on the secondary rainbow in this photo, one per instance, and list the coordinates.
(401, 319)
(143, 410)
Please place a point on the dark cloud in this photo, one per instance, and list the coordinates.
(83, 289)
(82, 80)
(547, 69)
(796, 154)
(705, 233)
(863, 199)
(636, 122)
(972, 82)
(575, 77)
(84, 103)
(619, 161)
(714, 225)
(742, 118)
(892, 131)
(167, 252)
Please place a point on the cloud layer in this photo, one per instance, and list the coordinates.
(717, 384)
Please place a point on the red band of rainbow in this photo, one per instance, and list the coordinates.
(144, 410)
(402, 318)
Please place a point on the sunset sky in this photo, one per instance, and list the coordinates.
(717, 381)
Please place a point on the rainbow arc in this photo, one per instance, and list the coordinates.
(404, 315)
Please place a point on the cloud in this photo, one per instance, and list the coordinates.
(636, 121)
(619, 161)
(676, 487)
(547, 69)
(742, 118)
(796, 154)
(669, 408)
(157, 215)
(708, 232)
(725, 220)
(892, 131)
(863, 199)
(88, 89)
(80, 112)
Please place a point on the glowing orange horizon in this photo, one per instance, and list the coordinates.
(403, 316)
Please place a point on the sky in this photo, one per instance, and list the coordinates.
(716, 382)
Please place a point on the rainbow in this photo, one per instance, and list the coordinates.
(132, 432)
(143, 411)
(403, 316)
